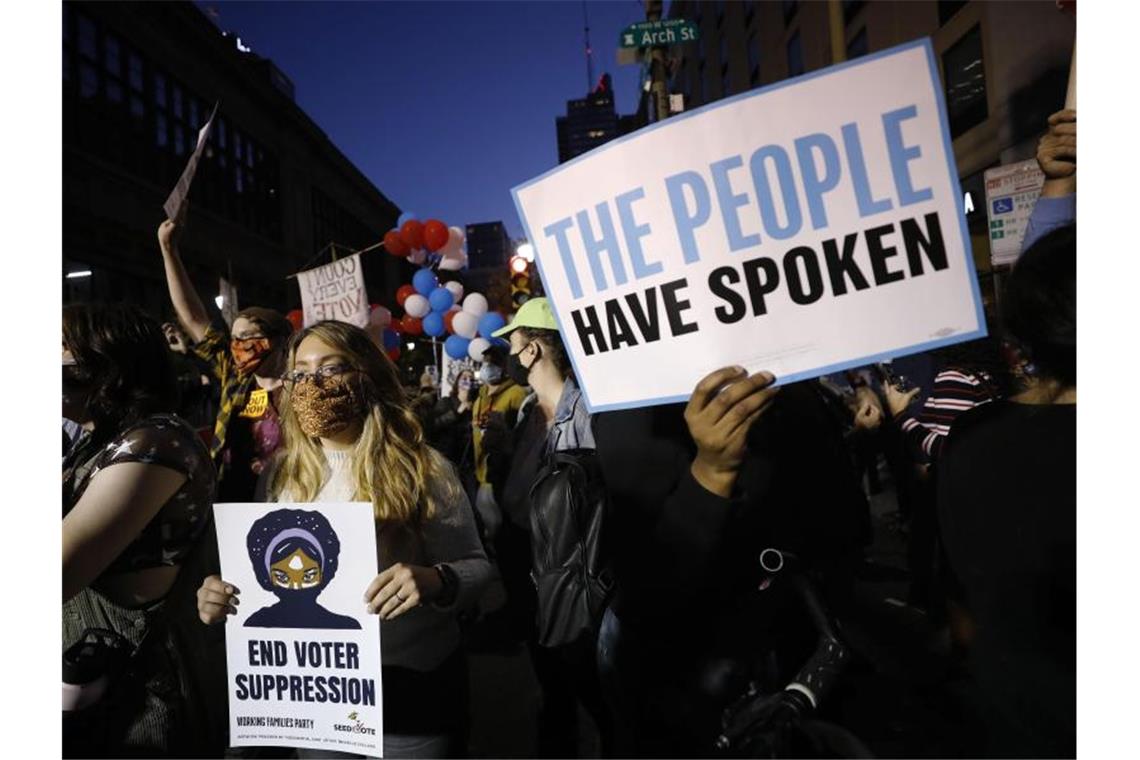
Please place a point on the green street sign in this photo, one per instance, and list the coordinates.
(672, 31)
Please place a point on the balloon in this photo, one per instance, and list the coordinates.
(416, 306)
(394, 244)
(394, 353)
(456, 289)
(456, 347)
(412, 233)
(403, 292)
(475, 303)
(441, 299)
(435, 234)
(490, 322)
(410, 325)
(433, 324)
(465, 324)
(450, 265)
(477, 347)
(391, 339)
(405, 217)
(425, 281)
(455, 238)
(380, 316)
(501, 343)
(296, 318)
(449, 316)
(418, 256)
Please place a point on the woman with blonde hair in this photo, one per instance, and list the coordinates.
(351, 436)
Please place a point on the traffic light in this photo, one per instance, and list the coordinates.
(520, 280)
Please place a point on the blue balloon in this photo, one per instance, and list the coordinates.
(501, 343)
(490, 322)
(441, 299)
(433, 324)
(456, 346)
(405, 217)
(425, 281)
(391, 339)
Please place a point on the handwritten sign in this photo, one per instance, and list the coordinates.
(176, 201)
(802, 228)
(335, 291)
(302, 655)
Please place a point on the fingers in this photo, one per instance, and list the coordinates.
(211, 613)
(215, 583)
(379, 582)
(1067, 114)
(710, 384)
(216, 599)
(909, 396)
(405, 598)
(1064, 129)
(408, 604)
(748, 410)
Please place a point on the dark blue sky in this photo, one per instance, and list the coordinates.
(444, 105)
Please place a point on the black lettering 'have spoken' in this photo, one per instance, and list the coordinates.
(634, 319)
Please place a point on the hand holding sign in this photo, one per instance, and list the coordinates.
(1057, 154)
(216, 599)
(719, 415)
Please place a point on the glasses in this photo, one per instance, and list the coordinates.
(318, 376)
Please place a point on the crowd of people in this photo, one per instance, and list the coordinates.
(681, 573)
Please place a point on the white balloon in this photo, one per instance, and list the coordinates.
(475, 303)
(418, 256)
(450, 265)
(476, 348)
(456, 289)
(464, 324)
(417, 305)
(455, 238)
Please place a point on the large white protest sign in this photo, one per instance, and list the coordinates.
(302, 655)
(801, 228)
(335, 291)
(176, 201)
(1011, 193)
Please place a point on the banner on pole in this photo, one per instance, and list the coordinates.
(802, 228)
(335, 291)
(176, 201)
(302, 654)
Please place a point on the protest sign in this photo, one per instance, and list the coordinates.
(1011, 194)
(302, 655)
(801, 228)
(335, 291)
(176, 201)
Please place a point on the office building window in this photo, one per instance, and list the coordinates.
(948, 8)
(795, 56)
(858, 45)
(161, 138)
(965, 73)
(789, 7)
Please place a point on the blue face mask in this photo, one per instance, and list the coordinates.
(489, 374)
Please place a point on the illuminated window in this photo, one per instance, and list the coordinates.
(965, 74)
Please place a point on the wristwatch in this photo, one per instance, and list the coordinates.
(450, 583)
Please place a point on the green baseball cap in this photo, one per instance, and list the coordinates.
(534, 313)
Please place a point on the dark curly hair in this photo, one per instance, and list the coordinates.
(283, 531)
(1039, 305)
(122, 361)
(553, 348)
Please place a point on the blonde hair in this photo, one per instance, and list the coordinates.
(392, 466)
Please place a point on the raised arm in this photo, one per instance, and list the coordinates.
(191, 312)
(1057, 157)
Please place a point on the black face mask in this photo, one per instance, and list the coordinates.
(515, 369)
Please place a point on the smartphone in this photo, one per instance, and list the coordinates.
(887, 376)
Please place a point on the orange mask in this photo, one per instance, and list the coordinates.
(248, 354)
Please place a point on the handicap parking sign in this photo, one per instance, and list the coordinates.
(1003, 205)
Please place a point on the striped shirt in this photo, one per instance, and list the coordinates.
(955, 391)
(215, 350)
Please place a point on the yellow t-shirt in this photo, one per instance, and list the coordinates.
(505, 400)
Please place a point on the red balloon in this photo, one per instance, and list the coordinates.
(394, 354)
(435, 235)
(412, 233)
(403, 293)
(296, 318)
(410, 325)
(447, 317)
(395, 244)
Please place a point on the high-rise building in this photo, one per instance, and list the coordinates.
(139, 80)
(488, 245)
(1000, 86)
(589, 122)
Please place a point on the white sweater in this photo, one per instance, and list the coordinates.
(425, 636)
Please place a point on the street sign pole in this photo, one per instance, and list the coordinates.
(659, 86)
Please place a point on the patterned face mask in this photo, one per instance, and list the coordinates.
(248, 353)
(326, 409)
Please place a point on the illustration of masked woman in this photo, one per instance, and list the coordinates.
(349, 435)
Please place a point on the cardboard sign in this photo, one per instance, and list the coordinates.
(257, 406)
(335, 291)
(176, 201)
(802, 228)
(302, 655)
(1011, 194)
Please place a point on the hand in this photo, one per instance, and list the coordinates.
(257, 466)
(1057, 154)
(216, 599)
(897, 400)
(168, 233)
(723, 407)
(868, 416)
(400, 588)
